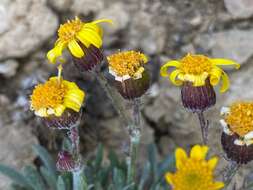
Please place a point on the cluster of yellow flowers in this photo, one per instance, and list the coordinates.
(196, 74)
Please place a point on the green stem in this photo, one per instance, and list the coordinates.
(79, 180)
(134, 133)
(133, 124)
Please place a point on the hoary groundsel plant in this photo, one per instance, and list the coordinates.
(59, 104)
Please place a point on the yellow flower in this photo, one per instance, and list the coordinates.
(238, 120)
(128, 64)
(74, 34)
(194, 172)
(54, 96)
(198, 68)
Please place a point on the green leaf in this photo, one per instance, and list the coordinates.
(67, 177)
(167, 165)
(99, 157)
(60, 184)
(46, 159)
(103, 176)
(48, 177)
(152, 152)
(15, 176)
(119, 178)
(34, 178)
(14, 186)
(79, 182)
(114, 159)
(144, 176)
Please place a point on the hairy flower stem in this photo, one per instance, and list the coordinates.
(114, 97)
(204, 125)
(229, 172)
(74, 137)
(132, 123)
(134, 133)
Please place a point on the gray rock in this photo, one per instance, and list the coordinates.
(119, 15)
(27, 24)
(61, 5)
(233, 44)
(86, 6)
(239, 8)
(8, 68)
(241, 85)
(145, 34)
(16, 148)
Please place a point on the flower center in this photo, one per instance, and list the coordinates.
(195, 64)
(240, 118)
(195, 175)
(126, 63)
(68, 30)
(48, 95)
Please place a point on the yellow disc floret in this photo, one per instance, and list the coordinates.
(240, 118)
(127, 63)
(68, 30)
(195, 64)
(194, 172)
(48, 95)
(54, 96)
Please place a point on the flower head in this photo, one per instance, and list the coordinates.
(54, 96)
(128, 64)
(67, 163)
(194, 172)
(77, 36)
(197, 69)
(237, 136)
(130, 77)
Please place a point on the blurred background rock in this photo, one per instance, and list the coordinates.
(162, 29)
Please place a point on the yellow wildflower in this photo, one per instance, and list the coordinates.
(74, 34)
(197, 69)
(127, 64)
(54, 96)
(194, 172)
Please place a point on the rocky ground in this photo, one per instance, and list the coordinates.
(163, 29)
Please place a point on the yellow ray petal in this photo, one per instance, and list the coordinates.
(173, 77)
(56, 52)
(72, 105)
(144, 58)
(181, 157)
(70, 85)
(75, 95)
(204, 150)
(58, 111)
(102, 20)
(225, 82)
(83, 39)
(198, 152)
(218, 185)
(215, 75)
(75, 49)
(94, 27)
(197, 80)
(165, 67)
(169, 178)
(212, 163)
(221, 62)
(91, 36)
